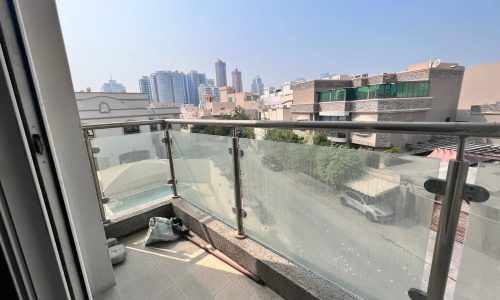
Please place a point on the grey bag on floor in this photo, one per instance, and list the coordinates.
(160, 230)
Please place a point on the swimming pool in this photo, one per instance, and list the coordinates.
(140, 198)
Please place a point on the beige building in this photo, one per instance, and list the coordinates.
(224, 92)
(128, 141)
(480, 87)
(281, 113)
(423, 92)
(120, 107)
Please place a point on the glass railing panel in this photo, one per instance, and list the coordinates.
(133, 169)
(479, 273)
(358, 218)
(204, 172)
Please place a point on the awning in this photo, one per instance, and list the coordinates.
(375, 183)
(133, 177)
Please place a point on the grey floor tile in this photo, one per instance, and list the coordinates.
(234, 291)
(146, 286)
(136, 264)
(180, 270)
(256, 290)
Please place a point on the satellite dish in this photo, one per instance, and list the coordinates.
(436, 63)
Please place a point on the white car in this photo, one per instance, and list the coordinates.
(371, 207)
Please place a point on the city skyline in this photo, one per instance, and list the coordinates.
(293, 49)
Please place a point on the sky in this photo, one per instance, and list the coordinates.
(278, 40)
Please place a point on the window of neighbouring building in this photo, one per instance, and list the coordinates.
(104, 107)
(379, 91)
(131, 129)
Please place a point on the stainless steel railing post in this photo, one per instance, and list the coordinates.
(93, 167)
(237, 186)
(448, 223)
(173, 181)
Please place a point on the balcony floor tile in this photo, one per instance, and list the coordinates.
(180, 270)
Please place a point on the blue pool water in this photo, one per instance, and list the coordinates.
(131, 201)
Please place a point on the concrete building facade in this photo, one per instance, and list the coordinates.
(277, 113)
(194, 79)
(225, 91)
(144, 86)
(277, 97)
(220, 73)
(207, 90)
(480, 87)
(257, 85)
(168, 87)
(237, 81)
(122, 107)
(423, 92)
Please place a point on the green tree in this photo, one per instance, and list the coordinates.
(283, 135)
(237, 114)
(320, 138)
(337, 164)
(394, 150)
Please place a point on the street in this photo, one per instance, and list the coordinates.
(302, 218)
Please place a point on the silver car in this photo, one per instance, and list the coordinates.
(371, 207)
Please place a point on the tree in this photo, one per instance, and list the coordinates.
(283, 135)
(337, 164)
(320, 138)
(393, 150)
(237, 114)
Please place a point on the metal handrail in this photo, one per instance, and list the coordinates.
(463, 129)
(121, 124)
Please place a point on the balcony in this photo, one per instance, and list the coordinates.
(312, 222)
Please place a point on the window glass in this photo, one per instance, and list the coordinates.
(426, 89)
(357, 198)
(411, 88)
(131, 129)
(324, 96)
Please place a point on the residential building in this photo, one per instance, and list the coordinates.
(194, 79)
(248, 101)
(153, 87)
(144, 86)
(237, 81)
(179, 87)
(224, 92)
(205, 90)
(164, 87)
(189, 111)
(257, 85)
(215, 109)
(220, 73)
(283, 95)
(277, 113)
(112, 87)
(480, 93)
(123, 107)
(168, 87)
(423, 92)
(211, 82)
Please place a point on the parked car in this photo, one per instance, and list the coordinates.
(272, 163)
(371, 207)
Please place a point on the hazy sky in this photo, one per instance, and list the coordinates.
(278, 40)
